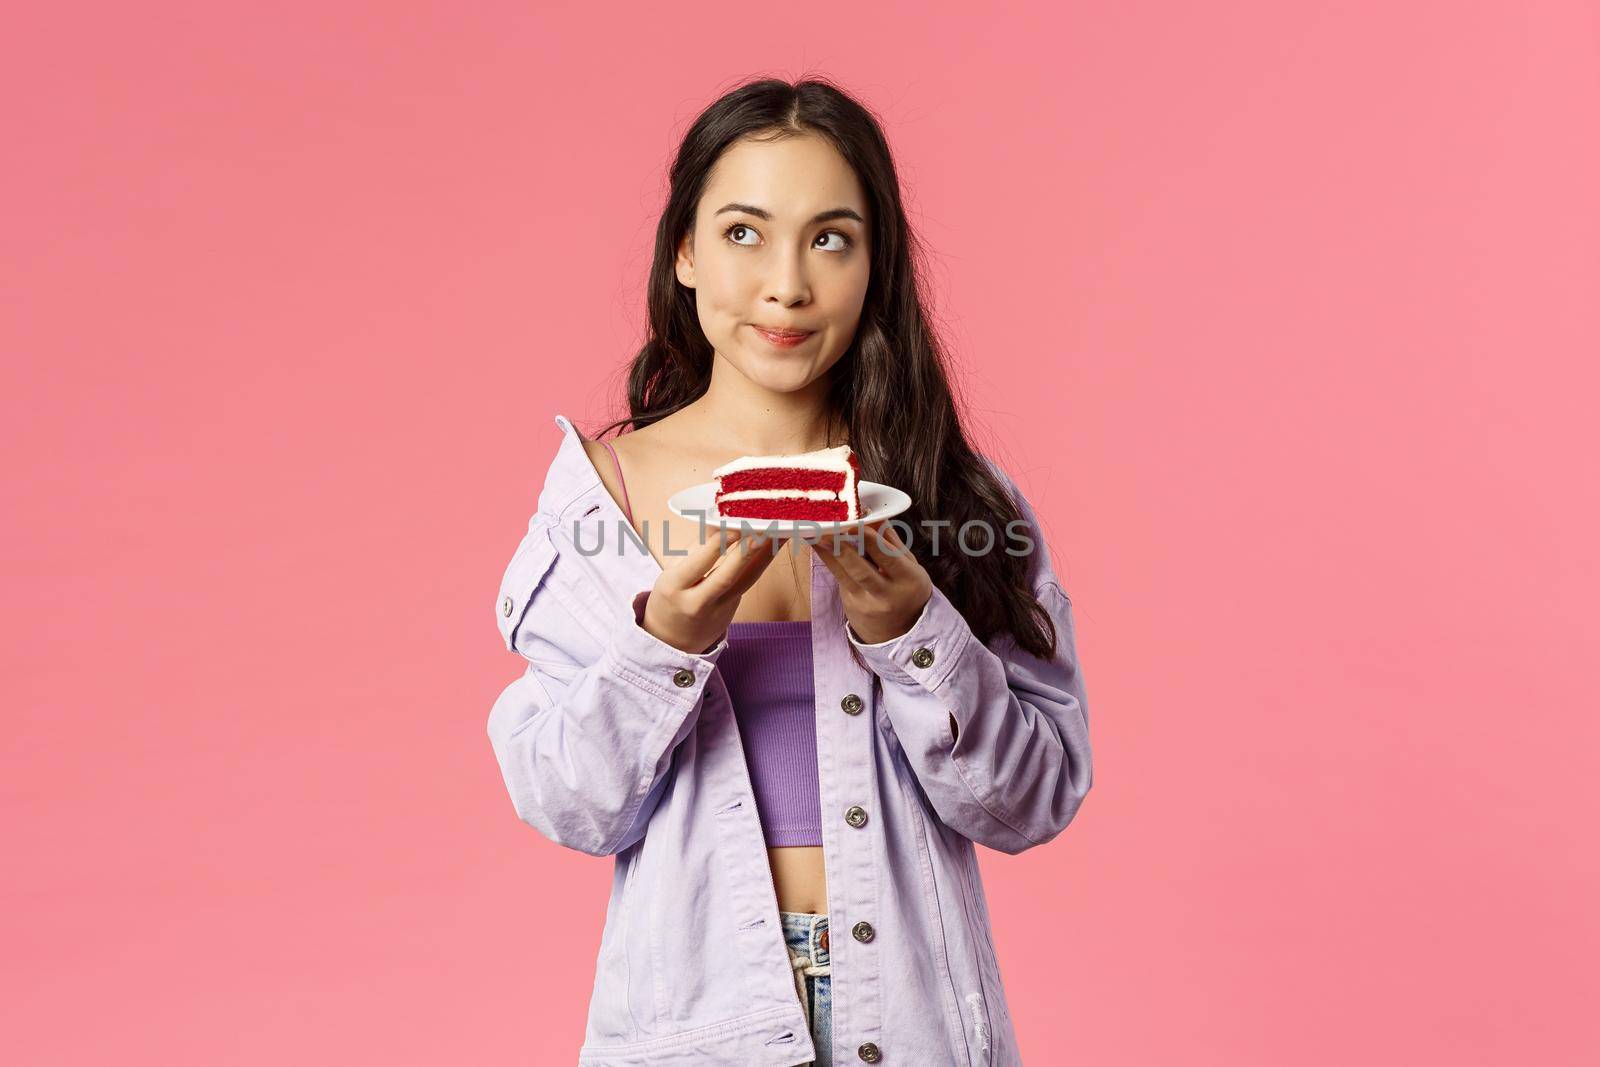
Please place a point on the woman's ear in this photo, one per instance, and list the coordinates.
(684, 264)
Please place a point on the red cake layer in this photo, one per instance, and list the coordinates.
(819, 510)
(783, 478)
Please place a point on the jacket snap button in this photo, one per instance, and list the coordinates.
(855, 815)
(869, 1052)
(683, 678)
(922, 657)
(862, 931)
(505, 607)
(851, 704)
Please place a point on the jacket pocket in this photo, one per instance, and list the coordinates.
(528, 566)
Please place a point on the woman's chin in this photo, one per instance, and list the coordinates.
(776, 373)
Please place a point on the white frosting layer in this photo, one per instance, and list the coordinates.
(827, 459)
(780, 494)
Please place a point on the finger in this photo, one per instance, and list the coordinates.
(739, 567)
(693, 565)
(847, 549)
(846, 581)
(761, 557)
(885, 549)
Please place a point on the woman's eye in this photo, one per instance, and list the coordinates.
(733, 234)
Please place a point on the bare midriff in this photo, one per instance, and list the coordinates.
(797, 874)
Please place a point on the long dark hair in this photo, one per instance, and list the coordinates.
(890, 393)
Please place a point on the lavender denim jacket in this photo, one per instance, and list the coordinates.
(615, 743)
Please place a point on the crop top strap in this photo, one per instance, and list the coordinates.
(626, 506)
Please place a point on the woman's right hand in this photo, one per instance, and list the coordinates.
(689, 608)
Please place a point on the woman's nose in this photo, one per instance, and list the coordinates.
(788, 284)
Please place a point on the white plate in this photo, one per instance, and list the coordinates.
(878, 502)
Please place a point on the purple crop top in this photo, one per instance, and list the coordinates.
(767, 668)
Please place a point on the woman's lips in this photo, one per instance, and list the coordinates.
(782, 338)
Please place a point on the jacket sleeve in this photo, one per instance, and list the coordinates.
(584, 738)
(998, 738)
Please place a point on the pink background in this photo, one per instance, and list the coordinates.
(1284, 315)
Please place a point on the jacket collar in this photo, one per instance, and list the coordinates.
(572, 475)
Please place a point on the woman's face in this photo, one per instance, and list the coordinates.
(779, 241)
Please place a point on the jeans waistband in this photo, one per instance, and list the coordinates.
(806, 933)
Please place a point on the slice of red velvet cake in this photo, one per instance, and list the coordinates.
(820, 486)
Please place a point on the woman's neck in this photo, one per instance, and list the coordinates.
(747, 419)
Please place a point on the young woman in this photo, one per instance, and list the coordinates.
(785, 740)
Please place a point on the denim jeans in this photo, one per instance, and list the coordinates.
(806, 934)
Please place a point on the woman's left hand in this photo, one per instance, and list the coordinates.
(884, 589)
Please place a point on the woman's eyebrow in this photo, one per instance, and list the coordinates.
(821, 216)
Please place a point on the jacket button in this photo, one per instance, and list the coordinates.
(862, 931)
(505, 607)
(683, 677)
(922, 657)
(851, 704)
(869, 1052)
(855, 815)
